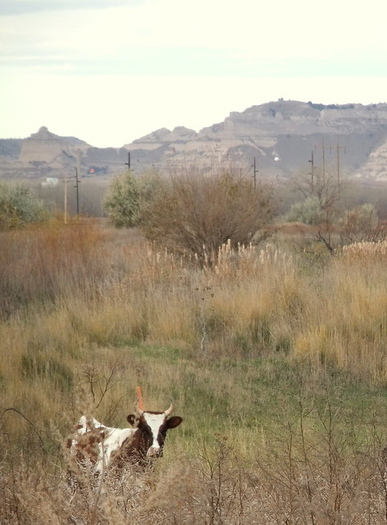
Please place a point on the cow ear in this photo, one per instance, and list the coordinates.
(132, 419)
(174, 421)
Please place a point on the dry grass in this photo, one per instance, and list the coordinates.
(293, 484)
(277, 365)
(366, 250)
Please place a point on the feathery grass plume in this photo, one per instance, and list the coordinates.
(364, 250)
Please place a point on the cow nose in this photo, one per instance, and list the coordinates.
(153, 452)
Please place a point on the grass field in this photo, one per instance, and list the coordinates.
(276, 358)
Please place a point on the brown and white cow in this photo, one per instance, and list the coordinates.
(98, 446)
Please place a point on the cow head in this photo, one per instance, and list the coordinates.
(152, 429)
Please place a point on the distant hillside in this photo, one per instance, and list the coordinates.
(281, 136)
(45, 154)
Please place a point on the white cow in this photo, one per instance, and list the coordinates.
(99, 446)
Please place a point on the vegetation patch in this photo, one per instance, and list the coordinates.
(275, 360)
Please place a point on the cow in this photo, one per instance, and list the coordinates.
(100, 447)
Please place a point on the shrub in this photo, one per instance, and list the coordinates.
(361, 224)
(128, 198)
(19, 205)
(198, 213)
(308, 212)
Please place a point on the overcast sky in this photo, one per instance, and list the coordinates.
(111, 71)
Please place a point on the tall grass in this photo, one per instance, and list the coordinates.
(277, 365)
(45, 262)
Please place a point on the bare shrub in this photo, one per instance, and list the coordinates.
(361, 224)
(307, 476)
(195, 213)
(322, 470)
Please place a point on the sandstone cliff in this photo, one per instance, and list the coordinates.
(281, 137)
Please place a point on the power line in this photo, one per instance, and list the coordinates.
(338, 167)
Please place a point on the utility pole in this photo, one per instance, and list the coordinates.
(128, 163)
(338, 148)
(323, 158)
(312, 170)
(65, 200)
(255, 171)
(77, 188)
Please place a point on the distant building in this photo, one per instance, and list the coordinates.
(50, 181)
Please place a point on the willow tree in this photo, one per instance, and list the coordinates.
(128, 198)
(19, 205)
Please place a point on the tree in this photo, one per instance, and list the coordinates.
(19, 205)
(128, 198)
(324, 207)
(197, 213)
(322, 200)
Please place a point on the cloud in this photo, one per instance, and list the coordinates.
(184, 62)
(244, 32)
(21, 7)
(137, 65)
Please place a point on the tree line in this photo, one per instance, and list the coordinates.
(194, 213)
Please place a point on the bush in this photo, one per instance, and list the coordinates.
(128, 198)
(18, 206)
(197, 214)
(361, 224)
(308, 212)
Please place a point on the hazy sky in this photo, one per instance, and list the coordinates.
(111, 71)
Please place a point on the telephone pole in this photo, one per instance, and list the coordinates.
(323, 158)
(65, 200)
(338, 149)
(128, 163)
(312, 170)
(255, 171)
(77, 188)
